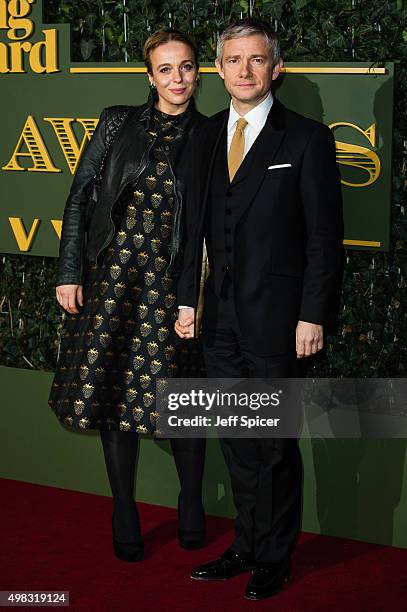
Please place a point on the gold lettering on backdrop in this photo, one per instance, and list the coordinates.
(42, 55)
(37, 151)
(72, 150)
(23, 239)
(57, 225)
(50, 48)
(13, 16)
(357, 156)
(3, 15)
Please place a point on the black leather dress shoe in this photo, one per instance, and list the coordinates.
(268, 579)
(228, 565)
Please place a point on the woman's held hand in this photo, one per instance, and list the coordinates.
(68, 296)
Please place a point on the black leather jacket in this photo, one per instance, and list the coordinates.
(125, 161)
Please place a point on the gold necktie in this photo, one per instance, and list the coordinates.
(236, 150)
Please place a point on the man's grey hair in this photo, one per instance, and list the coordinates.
(248, 27)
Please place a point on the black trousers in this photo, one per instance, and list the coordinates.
(266, 474)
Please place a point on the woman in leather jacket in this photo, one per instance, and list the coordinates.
(116, 283)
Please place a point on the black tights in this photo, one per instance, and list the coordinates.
(120, 450)
(189, 457)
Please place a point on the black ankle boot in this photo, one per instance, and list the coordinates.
(192, 539)
(127, 551)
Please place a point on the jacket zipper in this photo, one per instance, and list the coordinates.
(140, 169)
(176, 209)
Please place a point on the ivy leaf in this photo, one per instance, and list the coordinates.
(90, 21)
(12, 347)
(87, 47)
(336, 39)
(300, 4)
(109, 34)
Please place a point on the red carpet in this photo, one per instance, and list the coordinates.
(54, 539)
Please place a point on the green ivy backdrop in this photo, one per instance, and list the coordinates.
(372, 335)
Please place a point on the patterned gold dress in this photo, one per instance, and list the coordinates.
(122, 342)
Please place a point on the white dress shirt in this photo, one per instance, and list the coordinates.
(256, 118)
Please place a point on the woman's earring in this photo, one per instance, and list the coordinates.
(153, 92)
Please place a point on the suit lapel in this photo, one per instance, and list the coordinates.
(261, 155)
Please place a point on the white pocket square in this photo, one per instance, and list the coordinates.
(279, 166)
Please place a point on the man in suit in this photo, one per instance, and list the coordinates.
(266, 197)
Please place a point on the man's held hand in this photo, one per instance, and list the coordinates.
(184, 325)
